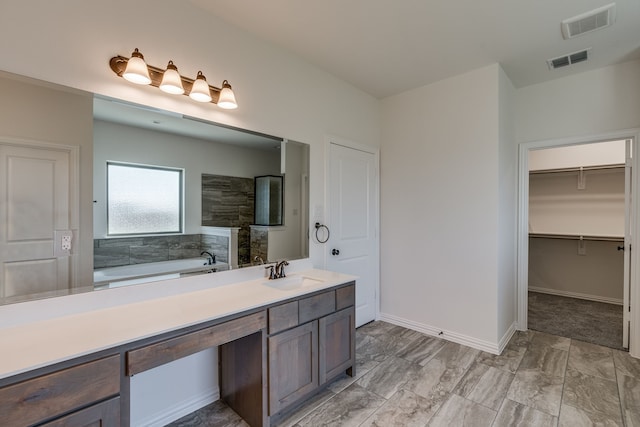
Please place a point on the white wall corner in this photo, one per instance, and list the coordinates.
(506, 337)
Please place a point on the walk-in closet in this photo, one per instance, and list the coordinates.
(577, 226)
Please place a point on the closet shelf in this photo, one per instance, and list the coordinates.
(577, 237)
(577, 169)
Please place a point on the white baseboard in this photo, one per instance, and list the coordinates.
(507, 337)
(578, 295)
(180, 409)
(449, 335)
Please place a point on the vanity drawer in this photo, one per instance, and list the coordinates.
(283, 317)
(41, 398)
(345, 297)
(316, 306)
(154, 355)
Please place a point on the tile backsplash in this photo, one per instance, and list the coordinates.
(115, 252)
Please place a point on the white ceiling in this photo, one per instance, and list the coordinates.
(385, 47)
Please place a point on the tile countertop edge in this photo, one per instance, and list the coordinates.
(47, 342)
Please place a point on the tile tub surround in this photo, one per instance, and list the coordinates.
(404, 378)
(116, 252)
(229, 201)
(259, 242)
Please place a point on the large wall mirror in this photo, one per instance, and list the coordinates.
(172, 196)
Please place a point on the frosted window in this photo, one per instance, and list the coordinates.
(143, 199)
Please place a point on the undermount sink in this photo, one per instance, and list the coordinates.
(292, 282)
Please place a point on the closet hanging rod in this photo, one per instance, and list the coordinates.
(577, 237)
(577, 169)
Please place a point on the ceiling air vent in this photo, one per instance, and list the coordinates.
(568, 59)
(589, 21)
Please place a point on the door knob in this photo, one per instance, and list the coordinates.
(335, 252)
(621, 248)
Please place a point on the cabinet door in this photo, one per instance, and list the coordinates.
(105, 414)
(337, 344)
(293, 365)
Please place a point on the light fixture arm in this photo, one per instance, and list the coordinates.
(119, 63)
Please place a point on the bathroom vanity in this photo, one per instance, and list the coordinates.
(277, 343)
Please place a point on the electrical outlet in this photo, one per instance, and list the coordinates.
(62, 243)
(66, 243)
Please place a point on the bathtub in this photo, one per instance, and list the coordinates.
(149, 272)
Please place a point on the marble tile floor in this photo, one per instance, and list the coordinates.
(405, 378)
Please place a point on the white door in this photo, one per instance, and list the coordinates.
(628, 214)
(34, 201)
(353, 243)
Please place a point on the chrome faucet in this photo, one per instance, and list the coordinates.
(211, 259)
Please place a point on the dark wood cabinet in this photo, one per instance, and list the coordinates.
(271, 358)
(49, 396)
(105, 414)
(317, 347)
(337, 346)
(293, 365)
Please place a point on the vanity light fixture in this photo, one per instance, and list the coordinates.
(135, 70)
(171, 80)
(200, 89)
(227, 99)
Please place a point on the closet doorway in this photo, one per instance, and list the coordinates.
(630, 260)
(577, 228)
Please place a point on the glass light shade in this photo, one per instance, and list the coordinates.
(137, 71)
(171, 81)
(200, 90)
(227, 99)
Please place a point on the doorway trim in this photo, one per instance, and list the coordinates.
(522, 232)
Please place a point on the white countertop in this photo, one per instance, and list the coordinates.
(28, 345)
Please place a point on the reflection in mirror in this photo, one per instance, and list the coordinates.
(53, 146)
(268, 196)
(220, 166)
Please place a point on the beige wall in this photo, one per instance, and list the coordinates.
(584, 104)
(507, 202)
(440, 206)
(557, 206)
(555, 267)
(46, 114)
